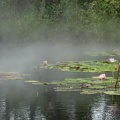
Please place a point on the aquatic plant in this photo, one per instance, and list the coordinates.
(96, 84)
(112, 92)
(112, 60)
(117, 78)
(83, 66)
(12, 76)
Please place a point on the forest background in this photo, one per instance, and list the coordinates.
(59, 20)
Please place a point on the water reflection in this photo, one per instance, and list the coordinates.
(98, 109)
(105, 108)
(20, 101)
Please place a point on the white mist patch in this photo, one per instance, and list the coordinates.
(15, 57)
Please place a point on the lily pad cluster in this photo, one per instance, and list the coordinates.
(11, 76)
(83, 66)
(83, 85)
(96, 84)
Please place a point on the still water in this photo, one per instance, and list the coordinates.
(24, 101)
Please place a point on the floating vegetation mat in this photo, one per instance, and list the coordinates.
(83, 66)
(83, 85)
(88, 85)
(12, 76)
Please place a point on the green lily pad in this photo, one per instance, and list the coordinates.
(84, 66)
(83, 85)
(112, 92)
(12, 76)
(97, 87)
(87, 85)
(90, 92)
(31, 81)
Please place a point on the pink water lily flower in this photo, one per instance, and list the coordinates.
(112, 60)
(45, 62)
(102, 76)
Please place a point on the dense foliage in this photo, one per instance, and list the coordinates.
(60, 19)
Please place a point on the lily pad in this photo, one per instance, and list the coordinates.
(87, 85)
(12, 76)
(90, 92)
(112, 92)
(84, 66)
(92, 85)
(31, 81)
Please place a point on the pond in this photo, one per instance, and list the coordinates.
(21, 100)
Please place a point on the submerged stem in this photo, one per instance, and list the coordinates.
(113, 75)
(117, 78)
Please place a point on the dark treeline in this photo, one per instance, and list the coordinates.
(35, 20)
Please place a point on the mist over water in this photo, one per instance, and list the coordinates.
(31, 33)
(20, 57)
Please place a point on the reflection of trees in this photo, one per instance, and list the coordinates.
(16, 100)
(51, 108)
(41, 102)
(105, 108)
(98, 109)
(24, 103)
(76, 105)
(14, 105)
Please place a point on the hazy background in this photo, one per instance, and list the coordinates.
(34, 31)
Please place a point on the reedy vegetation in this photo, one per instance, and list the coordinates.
(98, 20)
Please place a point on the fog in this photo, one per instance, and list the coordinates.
(37, 46)
(15, 57)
